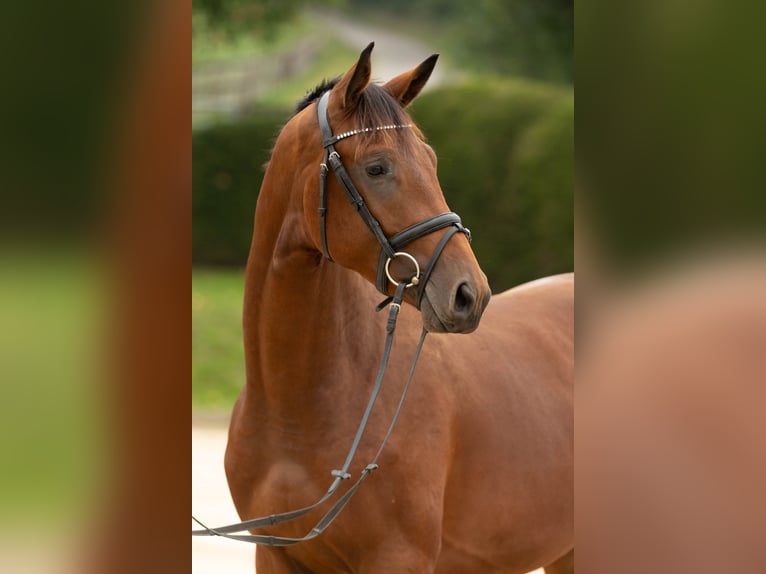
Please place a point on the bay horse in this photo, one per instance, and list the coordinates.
(477, 476)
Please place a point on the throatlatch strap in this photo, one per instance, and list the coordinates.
(323, 205)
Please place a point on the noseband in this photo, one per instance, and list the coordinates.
(391, 247)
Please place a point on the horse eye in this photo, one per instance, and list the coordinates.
(376, 170)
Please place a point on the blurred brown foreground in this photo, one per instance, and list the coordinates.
(671, 432)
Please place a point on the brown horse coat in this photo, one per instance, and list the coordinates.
(478, 473)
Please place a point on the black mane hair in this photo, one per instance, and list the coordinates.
(313, 95)
(376, 105)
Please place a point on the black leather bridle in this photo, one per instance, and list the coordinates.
(390, 246)
(390, 249)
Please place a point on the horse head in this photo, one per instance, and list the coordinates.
(389, 184)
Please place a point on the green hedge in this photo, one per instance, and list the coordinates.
(227, 170)
(506, 165)
(505, 151)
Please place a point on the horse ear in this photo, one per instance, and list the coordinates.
(353, 83)
(405, 87)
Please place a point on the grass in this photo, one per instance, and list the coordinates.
(218, 366)
(51, 306)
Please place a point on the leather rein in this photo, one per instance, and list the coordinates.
(390, 249)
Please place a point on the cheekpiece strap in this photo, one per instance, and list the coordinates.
(333, 161)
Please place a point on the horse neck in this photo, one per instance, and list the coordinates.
(303, 316)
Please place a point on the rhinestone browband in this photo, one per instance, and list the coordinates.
(367, 130)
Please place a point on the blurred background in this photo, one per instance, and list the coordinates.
(96, 242)
(498, 111)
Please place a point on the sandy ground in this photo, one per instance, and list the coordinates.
(212, 505)
(394, 52)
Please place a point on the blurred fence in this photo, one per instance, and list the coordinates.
(229, 88)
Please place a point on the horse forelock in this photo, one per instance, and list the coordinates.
(376, 108)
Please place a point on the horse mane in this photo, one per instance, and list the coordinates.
(313, 95)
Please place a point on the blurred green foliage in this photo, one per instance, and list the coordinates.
(56, 82)
(50, 430)
(227, 171)
(218, 369)
(529, 38)
(254, 16)
(671, 157)
(505, 152)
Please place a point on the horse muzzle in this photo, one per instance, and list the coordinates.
(457, 309)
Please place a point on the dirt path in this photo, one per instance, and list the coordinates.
(211, 504)
(394, 53)
(229, 88)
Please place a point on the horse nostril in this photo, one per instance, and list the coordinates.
(465, 297)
